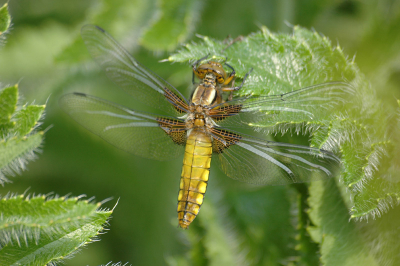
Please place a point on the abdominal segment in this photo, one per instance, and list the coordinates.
(194, 178)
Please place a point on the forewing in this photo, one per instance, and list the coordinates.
(304, 104)
(258, 161)
(129, 74)
(135, 132)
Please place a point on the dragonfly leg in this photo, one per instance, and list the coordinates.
(233, 88)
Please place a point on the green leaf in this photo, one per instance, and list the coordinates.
(358, 128)
(381, 160)
(27, 118)
(343, 242)
(214, 241)
(307, 249)
(281, 62)
(245, 227)
(8, 105)
(261, 218)
(18, 141)
(5, 19)
(15, 152)
(37, 231)
(173, 26)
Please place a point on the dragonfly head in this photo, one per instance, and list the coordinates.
(211, 69)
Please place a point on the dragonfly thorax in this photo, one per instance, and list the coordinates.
(198, 117)
(199, 122)
(204, 94)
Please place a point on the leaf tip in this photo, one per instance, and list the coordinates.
(169, 59)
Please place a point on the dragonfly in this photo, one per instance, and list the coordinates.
(202, 127)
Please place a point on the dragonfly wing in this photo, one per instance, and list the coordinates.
(325, 96)
(128, 73)
(142, 134)
(304, 104)
(258, 161)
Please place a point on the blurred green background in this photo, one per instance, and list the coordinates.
(44, 55)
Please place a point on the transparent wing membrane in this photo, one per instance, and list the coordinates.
(307, 103)
(321, 96)
(125, 71)
(135, 132)
(258, 161)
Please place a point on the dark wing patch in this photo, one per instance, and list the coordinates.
(225, 111)
(222, 139)
(175, 129)
(179, 104)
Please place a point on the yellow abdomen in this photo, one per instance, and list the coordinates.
(194, 178)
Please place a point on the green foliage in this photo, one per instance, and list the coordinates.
(173, 26)
(27, 118)
(320, 224)
(306, 247)
(283, 63)
(116, 16)
(38, 230)
(16, 151)
(161, 22)
(280, 62)
(8, 105)
(18, 139)
(5, 19)
(341, 241)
